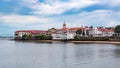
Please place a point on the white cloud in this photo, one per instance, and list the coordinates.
(22, 19)
(51, 7)
(27, 21)
(113, 23)
(95, 18)
(110, 3)
(56, 7)
(40, 20)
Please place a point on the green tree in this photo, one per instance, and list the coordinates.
(79, 31)
(76, 38)
(42, 37)
(117, 29)
(26, 37)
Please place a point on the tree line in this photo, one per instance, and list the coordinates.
(36, 37)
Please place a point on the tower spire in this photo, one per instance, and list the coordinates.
(64, 25)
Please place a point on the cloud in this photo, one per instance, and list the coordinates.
(27, 21)
(21, 19)
(52, 7)
(22, 22)
(110, 3)
(95, 18)
(45, 14)
(56, 7)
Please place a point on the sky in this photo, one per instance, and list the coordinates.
(45, 14)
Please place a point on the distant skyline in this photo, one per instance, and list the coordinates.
(44, 14)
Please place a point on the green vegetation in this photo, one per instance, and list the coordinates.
(115, 37)
(76, 38)
(117, 29)
(36, 37)
(42, 37)
(26, 37)
(79, 31)
(91, 38)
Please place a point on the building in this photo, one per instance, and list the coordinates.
(101, 32)
(65, 33)
(18, 34)
(51, 31)
(70, 33)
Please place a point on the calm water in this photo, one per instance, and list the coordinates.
(58, 55)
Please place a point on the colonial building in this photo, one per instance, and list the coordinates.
(62, 34)
(51, 31)
(101, 32)
(70, 33)
(18, 34)
(65, 33)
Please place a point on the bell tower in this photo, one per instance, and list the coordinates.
(64, 25)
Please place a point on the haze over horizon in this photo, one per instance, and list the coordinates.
(45, 14)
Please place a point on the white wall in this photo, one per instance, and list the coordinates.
(63, 36)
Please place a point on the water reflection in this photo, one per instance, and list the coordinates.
(58, 55)
(117, 51)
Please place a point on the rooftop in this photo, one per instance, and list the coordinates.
(31, 31)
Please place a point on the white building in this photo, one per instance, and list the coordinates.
(18, 34)
(64, 36)
(64, 33)
(70, 33)
(100, 32)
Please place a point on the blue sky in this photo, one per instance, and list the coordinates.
(44, 14)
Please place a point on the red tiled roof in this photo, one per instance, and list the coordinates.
(76, 28)
(100, 29)
(64, 29)
(104, 30)
(71, 28)
(32, 31)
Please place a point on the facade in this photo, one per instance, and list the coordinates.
(65, 36)
(65, 33)
(68, 33)
(51, 31)
(101, 32)
(18, 34)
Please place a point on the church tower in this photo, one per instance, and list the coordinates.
(64, 25)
